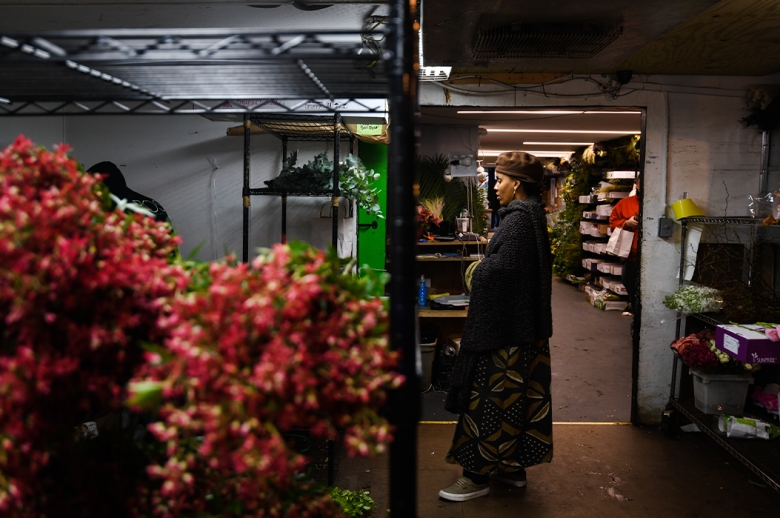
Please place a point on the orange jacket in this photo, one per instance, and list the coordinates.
(624, 209)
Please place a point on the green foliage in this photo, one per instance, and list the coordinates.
(317, 175)
(586, 170)
(355, 181)
(455, 193)
(565, 238)
(353, 503)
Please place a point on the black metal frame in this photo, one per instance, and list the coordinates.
(751, 455)
(286, 128)
(283, 66)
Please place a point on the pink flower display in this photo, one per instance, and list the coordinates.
(287, 343)
(222, 358)
(80, 288)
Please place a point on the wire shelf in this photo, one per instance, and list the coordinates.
(168, 66)
(301, 127)
(760, 457)
(265, 191)
(736, 220)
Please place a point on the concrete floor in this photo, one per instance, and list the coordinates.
(598, 469)
(591, 363)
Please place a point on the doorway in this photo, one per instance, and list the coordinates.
(594, 346)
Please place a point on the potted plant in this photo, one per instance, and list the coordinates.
(317, 175)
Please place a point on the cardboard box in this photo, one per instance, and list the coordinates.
(604, 228)
(604, 210)
(746, 345)
(611, 305)
(622, 175)
(606, 267)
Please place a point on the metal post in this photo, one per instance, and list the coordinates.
(245, 191)
(404, 413)
(284, 196)
(636, 303)
(284, 219)
(763, 176)
(336, 191)
(683, 246)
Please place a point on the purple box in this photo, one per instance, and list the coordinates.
(746, 345)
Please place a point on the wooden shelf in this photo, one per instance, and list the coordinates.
(447, 259)
(451, 243)
(443, 313)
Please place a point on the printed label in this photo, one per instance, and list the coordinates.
(369, 129)
(731, 344)
(756, 359)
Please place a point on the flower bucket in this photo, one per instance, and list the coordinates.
(720, 393)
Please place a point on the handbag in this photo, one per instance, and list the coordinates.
(322, 231)
(620, 242)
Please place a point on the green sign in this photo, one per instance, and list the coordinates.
(369, 129)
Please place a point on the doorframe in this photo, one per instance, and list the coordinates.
(660, 258)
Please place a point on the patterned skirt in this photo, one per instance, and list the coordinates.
(508, 425)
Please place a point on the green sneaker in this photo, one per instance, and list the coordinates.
(464, 489)
(516, 479)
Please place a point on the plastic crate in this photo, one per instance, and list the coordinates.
(720, 393)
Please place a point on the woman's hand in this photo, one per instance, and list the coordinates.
(631, 222)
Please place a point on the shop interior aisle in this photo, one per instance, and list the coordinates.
(591, 363)
(597, 471)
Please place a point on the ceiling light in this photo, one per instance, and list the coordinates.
(543, 154)
(557, 143)
(538, 112)
(545, 112)
(512, 130)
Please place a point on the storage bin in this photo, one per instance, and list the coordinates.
(427, 354)
(720, 393)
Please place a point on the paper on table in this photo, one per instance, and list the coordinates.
(692, 248)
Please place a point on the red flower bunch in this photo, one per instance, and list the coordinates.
(80, 288)
(286, 344)
(695, 350)
(425, 217)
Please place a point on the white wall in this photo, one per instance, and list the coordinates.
(167, 158)
(695, 142)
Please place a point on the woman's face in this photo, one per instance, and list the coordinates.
(505, 188)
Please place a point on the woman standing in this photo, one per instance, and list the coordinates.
(501, 382)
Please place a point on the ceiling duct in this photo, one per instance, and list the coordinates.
(544, 40)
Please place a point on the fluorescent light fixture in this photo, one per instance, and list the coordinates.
(543, 154)
(504, 112)
(543, 112)
(4, 100)
(512, 130)
(434, 73)
(557, 143)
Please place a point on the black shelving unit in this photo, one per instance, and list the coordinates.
(302, 128)
(759, 456)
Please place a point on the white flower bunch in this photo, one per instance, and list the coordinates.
(695, 299)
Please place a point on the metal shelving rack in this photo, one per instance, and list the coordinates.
(760, 457)
(296, 127)
(246, 71)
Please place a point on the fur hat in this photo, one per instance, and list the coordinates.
(520, 165)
